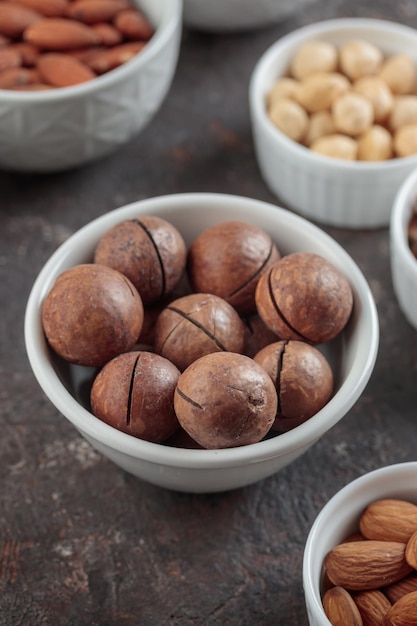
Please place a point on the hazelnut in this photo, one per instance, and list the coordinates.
(304, 297)
(318, 91)
(312, 57)
(302, 377)
(227, 260)
(352, 114)
(337, 146)
(359, 58)
(283, 88)
(195, 325)
(289, 117)
(375, 144)
(320, 125)
(404, 111)
(224, 400)
(149, 251)
(399, 73)
(405, 140)
(91, 314)
(374, 89)
(134, 392)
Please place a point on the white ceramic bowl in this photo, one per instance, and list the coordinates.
(403, 262)
(238, 15)
(340, 517)
(329, 191)
(352, 355)
(58, 129)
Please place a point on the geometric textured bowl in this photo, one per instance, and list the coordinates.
(346, 194)
(62, 128)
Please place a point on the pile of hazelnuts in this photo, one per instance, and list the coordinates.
(213, 346)
(349, 102)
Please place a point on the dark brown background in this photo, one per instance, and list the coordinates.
(82, 542)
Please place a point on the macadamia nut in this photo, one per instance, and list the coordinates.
(337, 146)
(283, 88)
(289, 117)
(352, 114)
(359, 58)
(312, 57)
(375, 144)
(399, 73)
(404, 111)
(318, 91)
(377, 92)
(320, 125)
(405, 140)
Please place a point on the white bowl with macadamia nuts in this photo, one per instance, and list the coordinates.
(334, 119)
(218, 417)
(360, 559)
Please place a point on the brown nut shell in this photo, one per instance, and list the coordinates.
(303, 296)
(228, 259)
(91, 314)
(134, 393)
(196, 325)
(149, 251)
(302, 377)
(224, 400)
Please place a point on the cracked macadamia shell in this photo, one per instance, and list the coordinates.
(228, 259)
(134, 393)
(150, 251)
(302, 377)
(91, 314)
(224, 400)
(196, 325)
(303, 296)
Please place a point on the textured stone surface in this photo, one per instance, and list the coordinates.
(81, 542)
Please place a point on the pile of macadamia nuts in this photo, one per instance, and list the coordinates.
(349, 102)
(213, 346)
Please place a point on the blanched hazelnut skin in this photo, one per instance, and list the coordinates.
(148, 250)
(225, 400)
(228, 259)
(302, 377)
(91, 314)
(196, 325)
(304, 297)
(134, 393)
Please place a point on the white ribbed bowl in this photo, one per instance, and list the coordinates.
(62, 128)
(340, 517)
(403, 263)
(351, 355)
(329, 191)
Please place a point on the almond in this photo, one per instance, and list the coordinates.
(63, 70)
(411, 551)
(47, 8)
(108, 34)
(340, 608)
(58, 33)
(113, 57)
(399, 589)
(94, 11)
(27, 51)
(33, 87)
(4, 41)
(11, 78)
(389, 520)
(9, 58)
(364, 565)
(133, 25)
(14, 19)
(404, 611)
(373, 606)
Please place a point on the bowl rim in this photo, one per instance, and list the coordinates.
(262, 69)
(296, 439)
(404, 200)
(336, 502)
(162, 34)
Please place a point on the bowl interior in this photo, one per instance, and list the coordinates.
(352, 355)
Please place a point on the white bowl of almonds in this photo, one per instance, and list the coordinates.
(334, 119)
(360, 560)
(80, 79)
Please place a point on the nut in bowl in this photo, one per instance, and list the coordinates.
(91, 100)
(402, 248)
(351, 355)
(371, 524)
(351, 138)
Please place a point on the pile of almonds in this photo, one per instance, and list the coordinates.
(349, 102)
(371, 578)
(46, 44)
